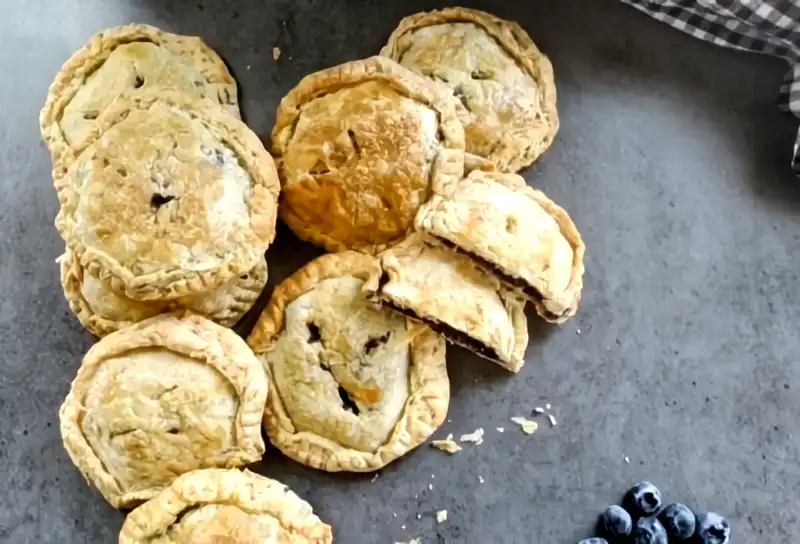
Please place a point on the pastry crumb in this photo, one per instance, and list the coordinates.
(447, 445)
(627, 459)
(547, 406)
(528, 426)
(500, 430)
(538, 410)
(430, 487)
(552, 419)
(248, 66)
(374, 478)
(419, 516)
(276, 53)
(441, 516)
(578, 331)
(394, 514)
(475, 437)
(480, 479)
(433, 476)
(412, 541)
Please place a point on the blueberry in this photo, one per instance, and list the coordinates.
(713, 529)
(643, 500)
(648, 531)
(615, 521)
(594, 541)
(678, 520)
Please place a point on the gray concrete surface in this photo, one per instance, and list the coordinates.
(672, 159)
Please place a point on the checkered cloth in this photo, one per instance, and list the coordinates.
(771, 27)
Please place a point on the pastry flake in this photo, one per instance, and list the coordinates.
(358, 147)
(447, 291)
(212, 506)
(527, 240)
(160, 398)
(354, 386)
(103, 311)
(124, 58)
(171, 197)
(505, 85)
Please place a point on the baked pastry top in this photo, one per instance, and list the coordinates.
(447, 291)
(504, 83)
(103, 311)
(358, 147)
(171, 197)
(216, 506)
(160, 398)
(355, 386)
(528, 241)
(123, 58)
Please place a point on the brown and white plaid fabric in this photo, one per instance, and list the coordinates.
(768, 27)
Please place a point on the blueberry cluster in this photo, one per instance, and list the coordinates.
(643, 520)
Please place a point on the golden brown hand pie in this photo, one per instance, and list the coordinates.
(171, 197)
(358, 147)
(527, 240)
(122, 58)
(216, 506)
(447, 291)
(103, 311)
(160, 398)
(354, 386)
(504, 83)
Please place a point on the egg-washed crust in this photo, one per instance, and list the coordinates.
(194, 337)
(250, 492)
(519, 46)
(449, 162)
(511, 266)
(403, 286)
(225, 305)
(429, 385)
(178, 282)
(85, 61)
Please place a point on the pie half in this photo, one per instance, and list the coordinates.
(171, 197)
(103, 311)
(158, 399)
(448, 292)
(124, 58)
(218, 506)
(358, 147)
(504, 84)
(527, 240)
(354, 386)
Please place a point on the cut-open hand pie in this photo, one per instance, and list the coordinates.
(217, 506)
(514, 232)
(171, 197)
(160, 398)
(123, 58)
(353, 386)
(103, 311)
(358, 147)
(504, 83)
(447, 291)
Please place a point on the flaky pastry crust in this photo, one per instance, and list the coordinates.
(353, 386)
(162, 397)
(504, 83)
(171, 197)
(447, 291)
(527, 240)
(123, 58)
(358, 147)
(102, 310)
(213, 506)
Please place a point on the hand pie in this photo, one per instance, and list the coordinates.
(450, 293)
(504, 83)
(102, 311)
(358, 147)
(527, 240)
(171, 197)
(124, 58)
(354, 386)
(160, 398)
(216, 506)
